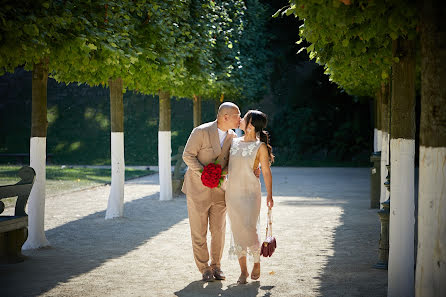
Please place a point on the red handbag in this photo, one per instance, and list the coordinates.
(269, 244)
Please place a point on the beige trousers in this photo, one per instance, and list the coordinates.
(210, 213)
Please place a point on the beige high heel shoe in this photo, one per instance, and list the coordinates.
(255, 274)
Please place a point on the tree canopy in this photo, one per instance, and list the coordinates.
(187, 47)
(353, 39)
(32, 30)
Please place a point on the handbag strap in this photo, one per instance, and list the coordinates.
(269, 223)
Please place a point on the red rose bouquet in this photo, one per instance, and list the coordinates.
(211, 175)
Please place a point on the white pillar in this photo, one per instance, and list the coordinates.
(431, 256)
(115, 207)
(164, 165)
(375, 140)
(36, 201)
(384, 161)
(379, 139)
(402, 219)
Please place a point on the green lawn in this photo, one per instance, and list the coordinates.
(61, 180)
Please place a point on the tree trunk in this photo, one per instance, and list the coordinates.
(164, 147)
(218, 102)
(402, 149)
(385, 122)
(36, 202)
(378, 108)
(374, 106)
(431, 256)
(197, 110)
(216, 106)
(379, 142)
(115, 206)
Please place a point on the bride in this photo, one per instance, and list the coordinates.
(243, 190)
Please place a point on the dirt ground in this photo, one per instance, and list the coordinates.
(327, 243)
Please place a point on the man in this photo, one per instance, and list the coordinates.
(206, 144)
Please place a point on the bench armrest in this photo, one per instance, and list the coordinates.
(20, 189)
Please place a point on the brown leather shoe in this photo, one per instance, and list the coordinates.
(218, 274)
(208, 276)
(242, 279)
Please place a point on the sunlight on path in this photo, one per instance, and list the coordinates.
(327, 242)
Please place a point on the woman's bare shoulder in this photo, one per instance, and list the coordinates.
(263, 149)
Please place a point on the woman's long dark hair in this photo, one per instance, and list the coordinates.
(259, 120)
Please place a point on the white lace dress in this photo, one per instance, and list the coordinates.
(243, 199)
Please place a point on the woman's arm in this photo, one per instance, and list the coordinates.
(267, 176)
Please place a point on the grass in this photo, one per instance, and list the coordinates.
(60, 180)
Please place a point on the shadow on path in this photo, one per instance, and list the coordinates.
(80, 246)
(347, 263)
(349, 270)
(357, 237)
(200, 288)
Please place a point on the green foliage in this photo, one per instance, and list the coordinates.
(197, 40)
(254, 65)
(166, 36)
(239, 54)
(187, 47)
(201, 47)
(103, 48)
(354, 42)
(124, 39)
(85, 41)
(32, 30)
(94, 41)
(227, 25)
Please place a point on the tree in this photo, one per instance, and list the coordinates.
(358, 43)
(169, 75)
(239, 58)
(233, 60)
(431, 256)
(105, 53)
(30, 33)
(144, 46)
(198, 60)
(200, 63)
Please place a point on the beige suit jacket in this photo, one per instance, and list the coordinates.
(202, 148)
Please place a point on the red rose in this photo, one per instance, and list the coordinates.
(211, 175)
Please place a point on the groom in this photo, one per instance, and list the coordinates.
(207, 143)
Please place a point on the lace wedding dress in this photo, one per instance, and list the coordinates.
(243, 199)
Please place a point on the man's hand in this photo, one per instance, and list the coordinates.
(257, 172)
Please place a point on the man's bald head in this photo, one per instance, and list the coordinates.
(227, 108)
(228, 116)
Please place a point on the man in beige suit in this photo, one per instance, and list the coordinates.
(206, 144)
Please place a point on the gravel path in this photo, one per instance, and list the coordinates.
(327, 243)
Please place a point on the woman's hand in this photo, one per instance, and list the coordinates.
(257, 172)
(269, 201)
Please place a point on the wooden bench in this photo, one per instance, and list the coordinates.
(14, 229)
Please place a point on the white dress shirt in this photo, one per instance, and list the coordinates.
(222, 136)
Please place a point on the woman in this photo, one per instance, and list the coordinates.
(243, 190)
